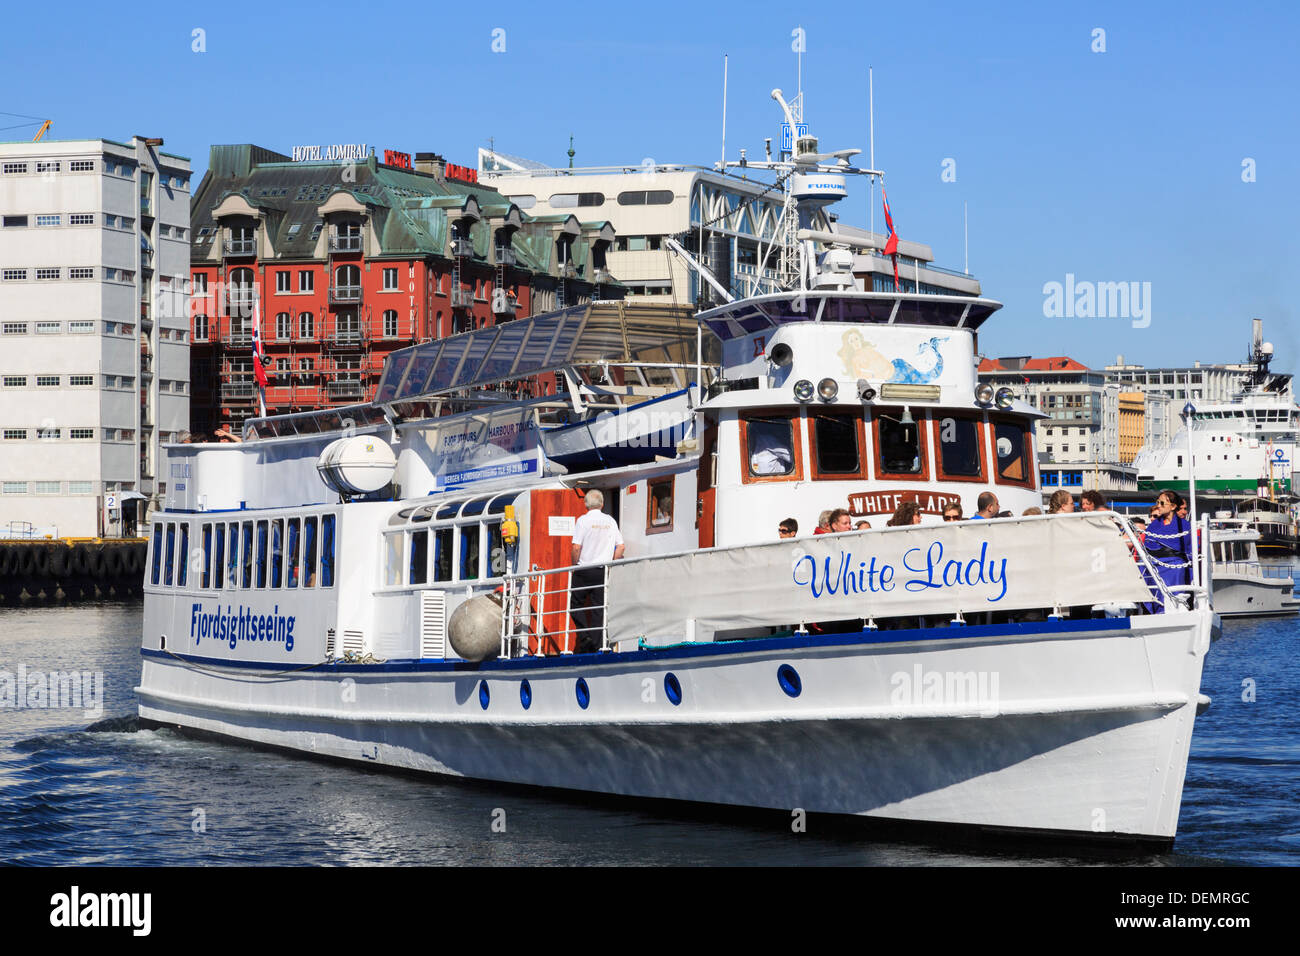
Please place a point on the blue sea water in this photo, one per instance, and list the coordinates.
(69, 796)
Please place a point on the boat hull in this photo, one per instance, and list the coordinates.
(1062, 727)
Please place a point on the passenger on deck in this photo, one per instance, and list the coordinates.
(862, 526)
(1092, 501)
(1031, 511)
(788, 528)
(840, 520)
(907, 513)
(1168, 542)
(987, 505)
(596, 540)
(823, 523)
(1061, 503)
(952, 512)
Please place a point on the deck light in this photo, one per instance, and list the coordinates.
(984, 394)
(803, 390)
(1004, 398)
(865, 391)
(827, 389)
(781, 355)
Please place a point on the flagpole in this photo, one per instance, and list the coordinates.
(257, 356)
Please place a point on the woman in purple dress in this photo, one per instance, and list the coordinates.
(1168, 543)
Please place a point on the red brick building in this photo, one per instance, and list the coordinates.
(347, 261)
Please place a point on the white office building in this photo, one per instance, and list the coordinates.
(94, 331)
(645, 203)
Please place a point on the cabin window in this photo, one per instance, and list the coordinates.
(768, 441)
(206, 580)
(659, 505)
(309, 553)
(419, 557)
(442, 552)
(1012, 447)
(171, 554)
(900, 452)
(157, 554)
(469, 552)
(182, 569)
(277, 551)
(837, 446)
(246, 548)
(218, 555)
(393, 559)
(327, 551)
(232, 556)
(959, 442)
(496, 551)
(294, 568)
(261, 554)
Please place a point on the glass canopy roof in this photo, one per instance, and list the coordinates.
(600, 332)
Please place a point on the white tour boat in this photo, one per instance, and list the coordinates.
(1242, 586)
(391, 583)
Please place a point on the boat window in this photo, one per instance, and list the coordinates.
(469, 552)
(232, 556)
(958, 441)
(836, 450)
(659, 505)
(419, 572)
(442, 551)
(474, 507)
(206, 578)
(157, 553)
(496, 551)
(291, 580)
(898, 444)
(277, 551)
(393, 559)
(769, 447)
(1011, 445)
(182, 568)
(171, 554)
(261, 554)
(499, 503)
(219, 556)
(309, 552)
(327, 551)
(450, 510)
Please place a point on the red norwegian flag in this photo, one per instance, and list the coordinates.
(259, 370)
(891, 244)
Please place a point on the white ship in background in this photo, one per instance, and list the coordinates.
(392, 584)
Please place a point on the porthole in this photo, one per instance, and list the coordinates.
(484, 695)
(583, 692)
(789, 680)
(673, 688)
(526, 694)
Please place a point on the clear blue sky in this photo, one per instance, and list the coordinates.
(1117, 166)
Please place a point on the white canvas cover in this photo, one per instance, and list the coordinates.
(971, 566)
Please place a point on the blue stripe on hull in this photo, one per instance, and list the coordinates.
(678, 652)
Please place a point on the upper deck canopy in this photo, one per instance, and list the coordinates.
(595, 333)
(747, 316)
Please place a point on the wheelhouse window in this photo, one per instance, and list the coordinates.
(768, 443)
(836, 446)
(959, 448)
(1012, 448)
(900, 452)
(659, 505)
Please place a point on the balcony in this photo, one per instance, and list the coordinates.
(238, 391)
(347, 388)
(345, 242)
(345, 294)
(462, 298)
(239, 247)
(506, 256)
(462, 248)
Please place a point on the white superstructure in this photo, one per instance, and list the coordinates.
(94, 350)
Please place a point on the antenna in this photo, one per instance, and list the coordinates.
(965, 237)
(723, 167)
(871, 119)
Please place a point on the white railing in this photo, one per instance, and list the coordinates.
(544, 612)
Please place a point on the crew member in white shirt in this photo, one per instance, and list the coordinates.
(596, 540)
